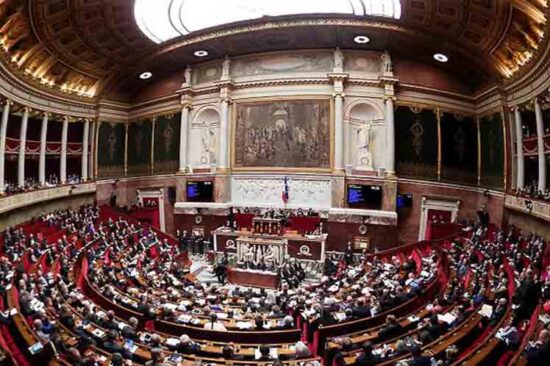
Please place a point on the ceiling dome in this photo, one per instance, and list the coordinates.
(162, 20)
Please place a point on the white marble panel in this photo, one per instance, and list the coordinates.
(266, 191)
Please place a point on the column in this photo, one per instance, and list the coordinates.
(519, 149)
(85, 145)
(390, 136)
(338, 132)
(91, 151)
(63, 163)
(223, 161)
(184, 128)
(43, 142)
(3, 131)
(22, 148)
(540, 143)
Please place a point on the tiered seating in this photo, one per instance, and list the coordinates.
(470, 272)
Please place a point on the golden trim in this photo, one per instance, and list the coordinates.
(153, 122)
(233, 124)
(478, 152)
(96, 150)
(439, 143)
(505, 140)
(126, 128)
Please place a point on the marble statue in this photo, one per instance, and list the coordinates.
(208, 145)
(386, 64)
(187, 76)
(364, 155)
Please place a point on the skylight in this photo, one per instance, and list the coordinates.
(162, 20)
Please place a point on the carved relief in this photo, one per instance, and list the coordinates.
(282, 63)
(264, 191)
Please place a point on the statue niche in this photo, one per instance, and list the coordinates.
(366, 129)
(204, 138)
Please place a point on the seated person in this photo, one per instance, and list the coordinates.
(366, 357)
(391, 329)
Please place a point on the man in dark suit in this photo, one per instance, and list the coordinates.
(366, 357)
(391, 329)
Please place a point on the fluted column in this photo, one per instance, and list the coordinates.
(520, 182)
(540, 143)
(85, 145)
(338, 132)
(223, 159)
(42, 158)
(184, 130)
(63, 163)
(3, 131)
(22, 148)
(91, 150)
(390, 136)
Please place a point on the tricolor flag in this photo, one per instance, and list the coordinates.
(285, 191)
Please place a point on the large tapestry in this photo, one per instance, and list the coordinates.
(492, 151)
(111, 147)
(139, 147)
(167, 143)
(459, 148)
(286, 134)
(416, 142)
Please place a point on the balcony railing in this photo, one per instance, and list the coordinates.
(19, 200)
(540, 209)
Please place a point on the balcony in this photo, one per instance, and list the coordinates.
(16, 201)
(539, 209)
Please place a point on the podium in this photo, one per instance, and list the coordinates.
(257, 248)
(267, 226)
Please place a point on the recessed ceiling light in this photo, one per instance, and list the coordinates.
(146, 75)
(440, 57)
(361, 39)
(201, 53)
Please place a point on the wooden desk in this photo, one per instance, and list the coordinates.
(253, 278)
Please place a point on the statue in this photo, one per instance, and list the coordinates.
(226, 69)
(207, 140)
(364, 156)
(187, 76)
(386, 65)
(338, 61)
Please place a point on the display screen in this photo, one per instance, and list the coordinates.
(200, 191)
(363, 196)
(404, 200)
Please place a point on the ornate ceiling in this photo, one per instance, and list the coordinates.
(93, 48)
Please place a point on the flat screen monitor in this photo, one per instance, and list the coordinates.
(404, 200)
(200, 191)
(364, 196)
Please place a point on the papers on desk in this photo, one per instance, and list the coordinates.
(36, 348)
(333, 288)
(37, 305)
(447, 318)
(172, 342)
(98, 333)
(413, 319)
(184, 318)
(486, 311)
(222, 315)
(122, 325)
(244, 325)
(273, 352)
(340, 316)
(101, 314)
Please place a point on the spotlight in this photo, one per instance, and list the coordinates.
(361, 39)
(440, 57)
(201, 53)
(146, 75)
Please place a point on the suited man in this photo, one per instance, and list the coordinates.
(366, 357)
(361, 310)
(391, 329)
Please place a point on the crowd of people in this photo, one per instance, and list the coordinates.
(131, 265)
(532, 191)
(32, 183)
